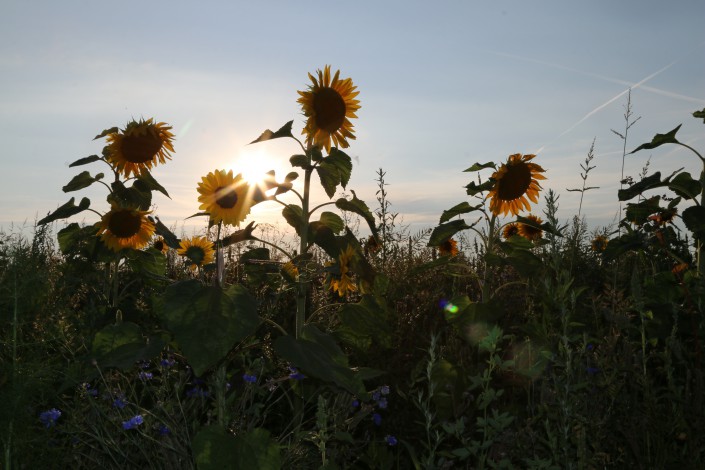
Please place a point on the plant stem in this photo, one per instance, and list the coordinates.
(303, 248)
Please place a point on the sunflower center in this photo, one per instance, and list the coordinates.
(226, 197)
(195, 254)
(140, 148)
(514, 182)
(330, 109)
(159, 245)
(124, 224)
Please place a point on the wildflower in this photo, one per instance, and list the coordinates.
(133, 422)
(599, 243)
(355, 403)
(145, 376)
(139, 147)
(530, 231)
(376, 395)
(163, 429)
(344, 284)
(510, 230)
(295, 374)
(120, 402)
(448, 247)
(514, 181)
(225, 197)
(88, 390)
(160, 245)
(49, 417)
(384, 390)
(198, 250)
(382, 403)
(167, 362)
(328, 104)
(125, 228)
(377, 419)
(197, 392)
(391, 440)
(249, 378)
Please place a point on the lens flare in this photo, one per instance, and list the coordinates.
(448, 306)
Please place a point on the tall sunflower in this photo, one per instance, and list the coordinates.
(448, 248)
(328, 105)
(343, 283)
(530, 232)
(198, 250)
(125, 228)
(599, 243)
(225, 197)
(510, 230)
(140, 146)
(160, 245)
(514, 181)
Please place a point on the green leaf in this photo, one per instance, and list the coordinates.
(474, 188)
(626, 242)
(284, 131)
(700, 114)
(80, 181)
(169, 237)
(151, 262)
(291, 176)
(365, 324)
(146, 182)
(444, 232)
(121, 345)
(481, 166)
(332, 221)
(67, 210)
(358, 207)
(685, 186)
(650, 182)
(135, 196)
(112, 130)
(330, 178)
(342, 162)
(462, 208)
(658, 140)
(293, 214)
(207, 321)
(85, 161)
(300, 161)
(694, 219)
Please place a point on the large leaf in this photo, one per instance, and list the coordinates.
(136, 196)
(216, 449)
(650, 182)
(474, 188)
(659, 139)
(169, 237)
(332, 221)
(365, 324)
(67, 210)
(462, 208)
(85, 160)
(300, 161)
(357, 206)
(700, 114)
(80, 181)
(284, 131)
(294, 216)
(694, 219)
(121, 345)
(480, 166)
(146, 182)
(112, 130)
(444, 232)
(334, 170)
(207, 321)
(685, 186)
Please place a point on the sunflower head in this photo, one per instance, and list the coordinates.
(514, 182)
(225, 197)
(448, 248)
(160, 245)
(290, 272)
(510, 230)
(198, 250)
(599, 243)
(329, 104)
(125, 228)
(664, 217)
(343, 283)
(530, 232)
(139, 147)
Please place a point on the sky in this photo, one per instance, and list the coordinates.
(442, 85)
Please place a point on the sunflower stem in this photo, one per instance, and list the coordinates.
(303, 248)
(489, 248)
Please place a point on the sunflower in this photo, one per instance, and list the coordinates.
(513, 183)
(225, 197)
(160, 245)
(198, 250)
(448, 247)
(125, 228)
(510, 230)
(529, 231)
(290, 272)
(344, 283)
(664, 217)
(139, 147)
(599, 243)
(328, 105)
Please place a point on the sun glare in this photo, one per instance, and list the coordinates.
(254, 165)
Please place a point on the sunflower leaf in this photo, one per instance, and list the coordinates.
(444, 232)
(694, 219)
(699, 114)
(85, 161)
(293, 215)
(462, 208)
(291, 176)
(474, 188)
(342, 162)
(169, 237)
(650, 182)
(358, 207)
(481, 166)
(658, 140)
(284, 131)
(332, 221)
(66, 211)
(112, 130)
(148, 182)
(330, 178)
(80, 181)
(685, 186)
(300, 161)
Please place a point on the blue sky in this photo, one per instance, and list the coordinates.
(442, 85)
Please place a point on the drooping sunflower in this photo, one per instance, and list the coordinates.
(198, 250)
(225, 197)
(599, 243)
(140, 146)
(160, 245)
(514, 182)
(329, 105)
(510, 230)
(448, 247)
(530, 232)
(122, 228)
(343, 284)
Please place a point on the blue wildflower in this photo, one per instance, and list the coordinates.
(295, 374)
(163, 430)
(391, 440)
(119, 402)
(382, 403)
(376, 395)
(145, 376)
(143, 364)
(49, 417)
(377, 419)
(249, 378)
(590, 347)
(384, 390)
(167, 362)
(133, 422)
(355, 403)
(197, 392)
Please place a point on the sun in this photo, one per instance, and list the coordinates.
(254, 164)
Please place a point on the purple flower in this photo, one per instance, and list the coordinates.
(377, 419)
(133, 422)
(119, 402)
(391, 440)
(249, 378)
(49, 417)
(167, 362)
(145, 376)
(376, 395)
(355, 403)
(295, 374)
(143, 364)
(590, 347)
(382, 403)
(163, 430)
(384, 390)
(197, 392)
